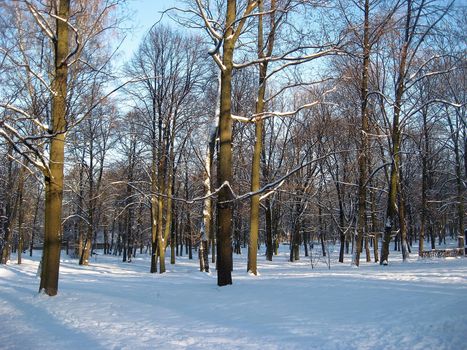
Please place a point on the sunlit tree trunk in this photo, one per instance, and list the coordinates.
(54, 178)
(224, 168)
(256, 163)
(170, 176)
(161, 172)
(207, 205)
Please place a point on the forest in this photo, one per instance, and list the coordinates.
(237, 128)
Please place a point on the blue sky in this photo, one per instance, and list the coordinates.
(143, 14)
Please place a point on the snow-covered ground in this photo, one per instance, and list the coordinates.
(420, 304)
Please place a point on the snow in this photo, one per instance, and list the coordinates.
(420, 304)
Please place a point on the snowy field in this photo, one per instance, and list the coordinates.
(421, 304)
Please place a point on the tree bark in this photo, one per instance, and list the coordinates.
(224, 170)
(374, 227)
(84, 258)
(6, 214)
(153, 268)
(20, 213)
(154, 201)
(425, 183)
(170, 182)
(54, 177)
(402, 222)
(34, 221)
(459, 183)
(256, 162)
(207, 205)
(395, 139)
(362, 159)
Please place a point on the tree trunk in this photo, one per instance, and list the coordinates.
(256, 162)
(173, 240)
(20, 213)
(402, 222)
(224, 170)
(34, 222)
(54, 178)
(170, 169)
(129, 232)
(425, 182)
(255, 185)
(362, 158)
(153, 222)
(395, 139)
(6, 214)
(203, 251)
(321, 230)
(432, 236)
(154, 212)
(112, 235)
(374, 227)
(161, 174)
(207, 205)
(295, 238)
(459, 182)
(87, 249)
(106, 236)
(344, 247)
(79, 235)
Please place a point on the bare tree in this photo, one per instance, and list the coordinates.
(61, 34)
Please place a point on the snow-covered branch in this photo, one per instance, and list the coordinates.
(40, 20)
(36, 121)
(269, 114)
(28, 69)
(325, 50)
(41, 165)
(209, 28)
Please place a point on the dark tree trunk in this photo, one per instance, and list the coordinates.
(362, 159)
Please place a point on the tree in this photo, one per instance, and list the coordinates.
(362, 159)
(226, 40)
(168, 69)
(54, 173)
(259, 138)
(410, 44)
(55, 24)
